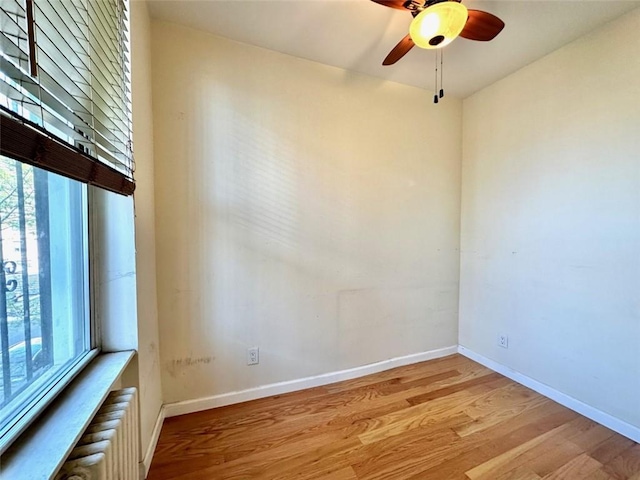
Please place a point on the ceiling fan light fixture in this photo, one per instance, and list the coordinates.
(438, 25)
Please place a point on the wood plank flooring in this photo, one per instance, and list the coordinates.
(447, 419)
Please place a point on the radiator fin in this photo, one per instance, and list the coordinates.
(108, 448)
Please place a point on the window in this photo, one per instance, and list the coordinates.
(65, 122)
(44, 315)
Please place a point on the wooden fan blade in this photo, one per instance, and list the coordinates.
(482, 26)
(399, 51)
(399, 4)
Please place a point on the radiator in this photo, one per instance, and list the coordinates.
(108, 448)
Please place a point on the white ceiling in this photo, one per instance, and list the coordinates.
(356, 35)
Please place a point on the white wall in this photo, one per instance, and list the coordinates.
(148, 359)
(300, 208)
(551, 220)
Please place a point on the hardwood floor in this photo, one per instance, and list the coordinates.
(447, 419)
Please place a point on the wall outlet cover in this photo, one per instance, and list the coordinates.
(253, 356)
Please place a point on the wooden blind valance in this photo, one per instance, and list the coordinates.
(27, 143)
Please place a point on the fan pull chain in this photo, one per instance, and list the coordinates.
(438, 94)
(435, 96)
(441, 94)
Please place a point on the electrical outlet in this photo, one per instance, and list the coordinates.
(253, 356)
(503, 341)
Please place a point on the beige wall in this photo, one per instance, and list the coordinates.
(300, 208)
(148, 361)
(551, 220)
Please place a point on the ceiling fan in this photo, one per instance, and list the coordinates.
(437, 23)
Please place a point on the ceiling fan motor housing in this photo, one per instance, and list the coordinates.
(416, 6)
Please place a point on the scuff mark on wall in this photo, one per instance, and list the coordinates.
(177, 366)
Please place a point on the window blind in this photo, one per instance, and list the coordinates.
(64, 85)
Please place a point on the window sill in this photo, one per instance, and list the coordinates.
(43, 447)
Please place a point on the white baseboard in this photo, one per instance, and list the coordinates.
(206, 403)
(145, 465)
(609, 421)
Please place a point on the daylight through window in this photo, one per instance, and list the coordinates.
(43, 282)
